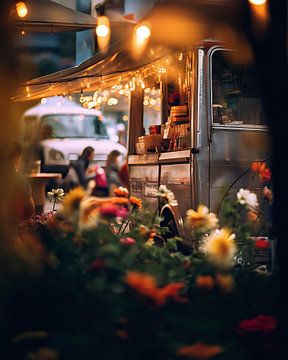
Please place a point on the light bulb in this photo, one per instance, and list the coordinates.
(21, 9)
(257, 2)
(102, 30)
(143, 32)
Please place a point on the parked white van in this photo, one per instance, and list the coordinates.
(61, 129)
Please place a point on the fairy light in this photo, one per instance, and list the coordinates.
(143, 32)
(82, 97)
(23, 33)
(27, 89)
(88, 85)
(21, 9)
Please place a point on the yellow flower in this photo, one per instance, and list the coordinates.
(136, 202)
(89, 213)
(226, 282)
(72, 200)
(201, 220)
(200, 351)
(220, 247)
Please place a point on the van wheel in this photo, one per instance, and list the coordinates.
(170, 223)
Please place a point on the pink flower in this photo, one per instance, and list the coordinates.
(112, 211)
(260, 324)
(127, 241)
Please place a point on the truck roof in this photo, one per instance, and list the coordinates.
(59, 105)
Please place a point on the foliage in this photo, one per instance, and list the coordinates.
(102, 283)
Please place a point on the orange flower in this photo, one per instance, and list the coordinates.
(226, 282)
(200, 351)
(118, 200)
(205, 282)
(263, 171)
(146, 285)
(135, 202)
(121, 192)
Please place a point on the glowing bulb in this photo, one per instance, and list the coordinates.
(143, 32)
(23, 32)
(21, 9)
(102, 30)
(43, 100)
(257, 2)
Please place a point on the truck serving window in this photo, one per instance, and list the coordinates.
(72, 126)
(236, 96)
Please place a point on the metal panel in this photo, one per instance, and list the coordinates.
(144, 177)
(232, 151)
(177, 177)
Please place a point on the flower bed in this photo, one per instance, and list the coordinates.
(97, 280)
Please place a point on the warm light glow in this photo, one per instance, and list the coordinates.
(143, 32)
(257, 2)
(102, 30)
(21, 9)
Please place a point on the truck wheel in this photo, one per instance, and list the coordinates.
(169, 222)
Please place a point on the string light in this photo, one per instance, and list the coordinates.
(143, 32)
(21, 9)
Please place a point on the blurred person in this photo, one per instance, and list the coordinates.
(19, 202)
(112, 171)
(78, 174)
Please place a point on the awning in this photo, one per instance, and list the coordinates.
(48, 16)
(101, 70)
(174, 26)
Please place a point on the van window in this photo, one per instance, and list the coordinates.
(72, 126)
(236, 93)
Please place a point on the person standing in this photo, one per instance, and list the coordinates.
(81, 166)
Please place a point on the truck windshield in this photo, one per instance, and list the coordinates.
(72, 126)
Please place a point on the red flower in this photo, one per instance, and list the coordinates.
(97, 264)
(127, 241)
(262, 243)
(263, 171)
(260, 324)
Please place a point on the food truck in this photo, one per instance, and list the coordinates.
(195, 128)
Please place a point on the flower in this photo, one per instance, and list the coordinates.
(121, 192)
(263, 171)
(220, 247)
(112, 211)
(225, 282)
(89, 214)
(262, 243)
(56, 195)
(200, 351)
(260, 323)
(205, 282)
(135, 202)
(97, 264)
(201, 219)
(145, 285)
(247, 198)
(165, 193)
(118, 200)
(128, 241)
(72, 200)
